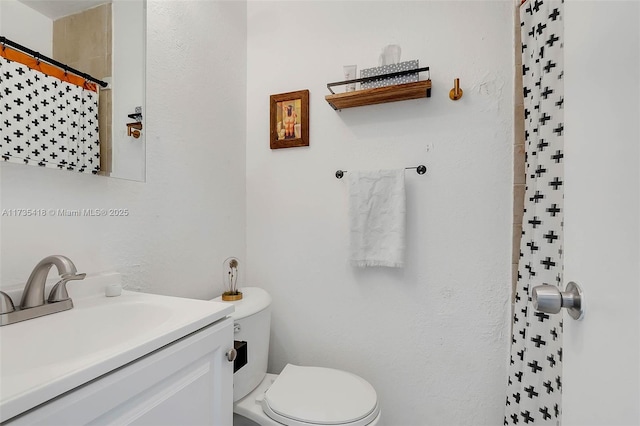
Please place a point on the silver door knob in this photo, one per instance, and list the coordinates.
(549, 299)
(232, 354)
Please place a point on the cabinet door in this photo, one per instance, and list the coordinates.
(189, 382)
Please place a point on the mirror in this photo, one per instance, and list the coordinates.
(102, 38)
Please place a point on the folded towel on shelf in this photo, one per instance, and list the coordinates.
(377, 215)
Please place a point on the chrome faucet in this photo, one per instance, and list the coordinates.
(33, 303)
(33, 294)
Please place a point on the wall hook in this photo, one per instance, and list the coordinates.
(133, 129)
(456, 92)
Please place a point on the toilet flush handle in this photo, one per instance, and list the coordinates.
(232, 354)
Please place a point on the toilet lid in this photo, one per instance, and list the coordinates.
(324, 396)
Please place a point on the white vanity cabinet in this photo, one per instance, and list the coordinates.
(187, 382)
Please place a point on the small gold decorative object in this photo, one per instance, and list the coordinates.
(231, 297)
(230, 278)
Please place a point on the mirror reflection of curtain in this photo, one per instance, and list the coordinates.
(47, 122)
(84, 41)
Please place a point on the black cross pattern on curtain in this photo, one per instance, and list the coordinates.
(47, 122)
(535, 369)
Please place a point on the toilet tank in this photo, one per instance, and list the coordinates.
(251, 324)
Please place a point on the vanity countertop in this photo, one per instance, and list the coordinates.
(44, 357)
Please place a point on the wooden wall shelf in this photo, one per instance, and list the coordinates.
(380, 95)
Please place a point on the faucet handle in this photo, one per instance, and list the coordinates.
(59, 291)
(6, 304)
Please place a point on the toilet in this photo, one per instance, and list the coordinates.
(299, 395)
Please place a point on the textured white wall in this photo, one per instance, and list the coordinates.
(189, 215)
(432, 338)
(25, 26)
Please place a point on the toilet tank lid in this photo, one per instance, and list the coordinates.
(254, 300)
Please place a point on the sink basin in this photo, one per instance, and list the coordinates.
(47, 356)
(70, 336)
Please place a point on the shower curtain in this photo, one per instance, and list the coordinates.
(46, 121)
(535, 369)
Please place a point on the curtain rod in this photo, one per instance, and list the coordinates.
(421, 169)
(5, 41)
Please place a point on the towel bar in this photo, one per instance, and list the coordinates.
(421, 169)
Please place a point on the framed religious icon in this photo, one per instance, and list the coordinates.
(289, 119)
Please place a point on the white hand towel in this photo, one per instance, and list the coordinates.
(377, 215)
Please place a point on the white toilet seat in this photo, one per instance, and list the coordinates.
(304, 396)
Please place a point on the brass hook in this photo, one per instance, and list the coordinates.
(456, 92)
(133, 129)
